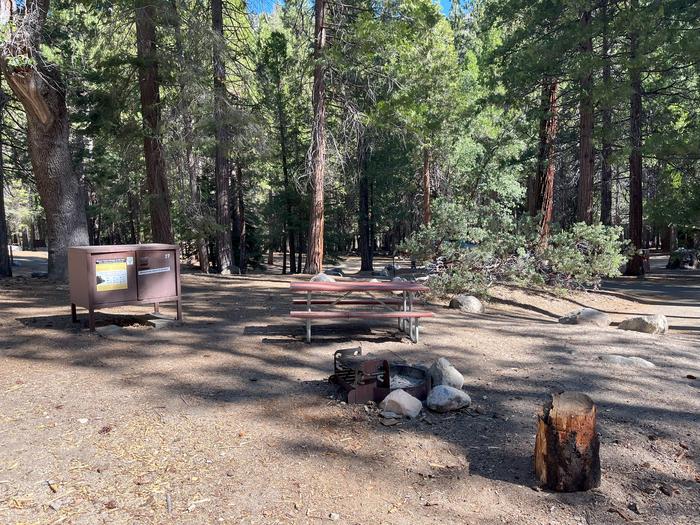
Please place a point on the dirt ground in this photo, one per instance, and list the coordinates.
(229, 418)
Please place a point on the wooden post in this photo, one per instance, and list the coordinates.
(567, 448)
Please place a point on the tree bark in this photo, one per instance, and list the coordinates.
(133, 214)
(5, 263)
(584, 208)
(273, 238)
(189, 165)
(425, 177)
(606, 149)
(156, 177)
(284, 253)
(314, 254)
(567, 449)
(282, 129)
(292, 261)
(364, 211)
(636, 265)
(222, 168)
(41, 92)
(535, 183)
(300, 251)
(540, 200)
(240, 221)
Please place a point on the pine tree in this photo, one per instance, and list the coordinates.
(39, 87)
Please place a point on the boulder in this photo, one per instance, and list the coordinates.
(322, 278)
(110, 329)
(444, 398)
(627, 361)
(402, 403)
(398, 279)
(467, 303)
(649, 324)
(443, 373)
(335, 271)
(586, 316)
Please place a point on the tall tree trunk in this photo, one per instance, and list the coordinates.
(156, 177)
(548, 183)
(40, 91)
(535, 183)
(636, 265)
(91, 220)
(293, 268)
(300, 251)
(314, 254)
(284, 253)
(189, 167)
(131, 202)
(606, 150)
(425, 179)
(372, 232)
(222, 169)
(540, 197)
(196, 191)
(363, 216)
(282, 129)
(584, 208)
(273, 238)
(5, 263)
(240, 205)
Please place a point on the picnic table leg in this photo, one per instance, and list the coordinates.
(412, 323)
(402, 320)
(308, 321)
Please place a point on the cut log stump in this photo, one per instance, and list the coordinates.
(567, 449)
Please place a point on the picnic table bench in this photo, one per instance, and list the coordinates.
(392, 307)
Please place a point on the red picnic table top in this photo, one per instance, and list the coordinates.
(358, 286)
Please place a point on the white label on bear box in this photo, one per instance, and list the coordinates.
(154, 270)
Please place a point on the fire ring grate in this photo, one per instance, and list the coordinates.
(364, 378)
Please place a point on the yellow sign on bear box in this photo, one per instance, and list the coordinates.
(110, 274)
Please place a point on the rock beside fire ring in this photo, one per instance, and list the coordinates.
(402, 403)
(649, 324)
(586, 316)
(443, 373)
(444, 398)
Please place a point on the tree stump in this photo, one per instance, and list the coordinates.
(567, 448)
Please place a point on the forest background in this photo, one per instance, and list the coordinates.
(543, 140)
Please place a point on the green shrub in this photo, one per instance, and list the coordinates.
(467, 251)
(582, 255)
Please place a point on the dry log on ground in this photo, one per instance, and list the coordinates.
(567, 447)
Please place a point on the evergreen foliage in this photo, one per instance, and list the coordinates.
(433, 125)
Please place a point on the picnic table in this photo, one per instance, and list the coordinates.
(391, 307)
